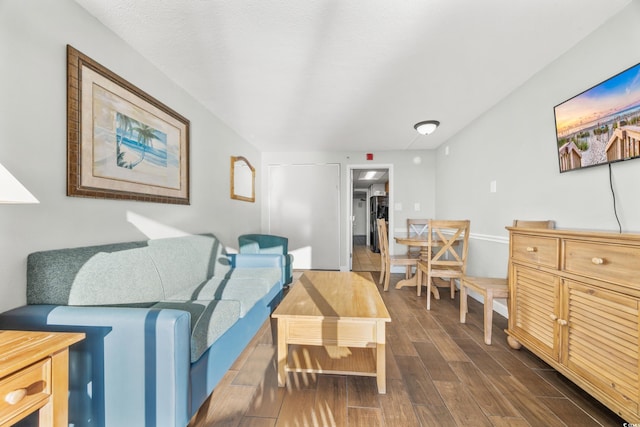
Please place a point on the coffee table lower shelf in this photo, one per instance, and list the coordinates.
(331, 360)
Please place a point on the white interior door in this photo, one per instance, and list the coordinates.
(304, 205)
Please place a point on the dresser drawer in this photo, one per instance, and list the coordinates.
(25, 389)
(612, 263)
(534, 249)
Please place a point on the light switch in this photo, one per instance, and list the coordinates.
(398, 206)
(416, 207)
(493, 186)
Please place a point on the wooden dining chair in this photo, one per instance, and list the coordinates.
(448, 244)
(416, 228)
(386, 259)
(491, 287)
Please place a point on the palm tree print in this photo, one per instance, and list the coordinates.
(127, 129)
(123, 130)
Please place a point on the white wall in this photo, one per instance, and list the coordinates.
(33, 39)
(412, 181)
(515, 145)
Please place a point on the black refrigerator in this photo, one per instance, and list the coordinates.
(379, 208)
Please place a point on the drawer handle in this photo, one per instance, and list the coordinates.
(597, 261)
(531, 249)
(553, 317)
(15, 396)
(562, 322)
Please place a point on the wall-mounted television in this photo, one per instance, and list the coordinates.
(600, 125)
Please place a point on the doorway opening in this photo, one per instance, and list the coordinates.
(370, 197)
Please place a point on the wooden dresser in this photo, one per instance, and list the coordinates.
(574, 302)
(34, 376)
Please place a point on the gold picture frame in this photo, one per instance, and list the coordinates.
(243, 179)
(121, 142)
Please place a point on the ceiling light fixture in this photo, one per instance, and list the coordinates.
(370, 175)
(426, 127)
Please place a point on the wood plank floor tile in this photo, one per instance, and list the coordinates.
(451, 326)
(255, 367)
(414, 330)
(568, 412)
(431, 415)
(393, 372)
(398, 340)
(418, 383)
(447, 347)
(582, 399)
(483, 360)
(535, 383)
(397, 409)
(530, 407)
(298, 409)
(268, 398)
(301, 381)
(365, 417)
(424, 319)
(483, 392)
(257, 422)
(331, 400)
(436, 366)
(209, 406)
(508, 421)
(362, 392)
(527, 358)
(231, 406)
(262, 336)
(464, 409)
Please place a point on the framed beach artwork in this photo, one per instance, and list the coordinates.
(121, 142)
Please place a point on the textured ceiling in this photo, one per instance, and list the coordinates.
(347, 75)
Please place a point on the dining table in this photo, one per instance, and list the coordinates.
(421, 242)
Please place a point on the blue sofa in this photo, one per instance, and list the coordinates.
(164, 320)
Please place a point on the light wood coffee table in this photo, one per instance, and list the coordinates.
(333, 323)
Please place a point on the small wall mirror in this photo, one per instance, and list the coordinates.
(243, 179)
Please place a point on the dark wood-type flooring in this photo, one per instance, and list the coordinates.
(439, 373)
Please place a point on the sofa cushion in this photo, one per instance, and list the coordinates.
(95, 275)
(246, 291)
(124, 277)
(209, 320)
(183, 262)
(270, 274)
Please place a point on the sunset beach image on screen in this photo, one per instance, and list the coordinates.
(600, 125)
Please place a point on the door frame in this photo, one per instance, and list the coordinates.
(349, 204)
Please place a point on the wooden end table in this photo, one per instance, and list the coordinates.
(34, 375)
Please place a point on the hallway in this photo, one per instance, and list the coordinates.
(363, 258)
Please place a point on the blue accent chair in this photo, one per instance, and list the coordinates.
(269, 244)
